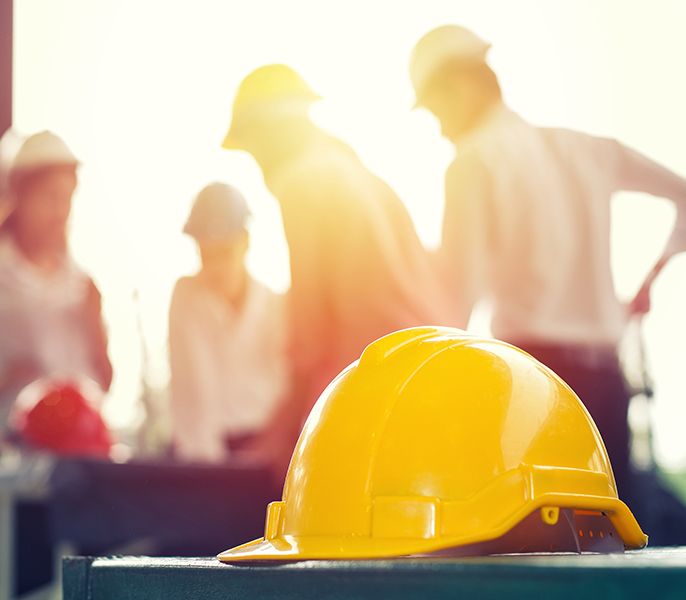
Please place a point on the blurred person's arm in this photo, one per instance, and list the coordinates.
(269, 443)
(195, 433)
(638, 173)
(463, 255)
(97, 335)
(277, 344)
(305, 323)
(304, 212)
(5, 208)
(16, 374)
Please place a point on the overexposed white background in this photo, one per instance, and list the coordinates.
(142, 92)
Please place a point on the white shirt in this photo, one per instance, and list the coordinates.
(227, 367)
(41, 319)
(527, 221)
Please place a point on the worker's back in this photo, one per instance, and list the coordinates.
(358, 269)
(549, 227)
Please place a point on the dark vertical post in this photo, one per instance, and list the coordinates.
(6, 18)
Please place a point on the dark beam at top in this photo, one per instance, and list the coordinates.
(5, 65)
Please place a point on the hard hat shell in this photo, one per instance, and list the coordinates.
(441, 45)
(219, 212)
(57, 416)
(44, 149)
(276, 88)
(433, 440)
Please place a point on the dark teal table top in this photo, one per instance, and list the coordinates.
(653, 573)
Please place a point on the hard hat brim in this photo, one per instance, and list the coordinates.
(286, 548)
(282, 107)
(231, 141)
(322, 547)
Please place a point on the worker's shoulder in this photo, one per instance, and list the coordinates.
(262, 290)
(327, 167)
(267, 307)
(591, 153)
(186, 288)
(469, 161)
(575, 138)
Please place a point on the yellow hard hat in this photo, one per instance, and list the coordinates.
(438, 440)
(269, 88)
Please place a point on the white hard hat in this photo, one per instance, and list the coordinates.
(441, 45)
(219, 213)
(42, 149)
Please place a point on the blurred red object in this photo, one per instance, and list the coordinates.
(61, 417)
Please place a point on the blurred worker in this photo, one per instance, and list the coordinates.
(226, 336)
(7, 152)
(358, 269)
(527, 222)
(50, 315)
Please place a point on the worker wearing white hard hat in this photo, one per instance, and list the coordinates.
(10, 142)
(50, 314)
(442, 46)
(226, 337)
(41, 150)
(527, 224)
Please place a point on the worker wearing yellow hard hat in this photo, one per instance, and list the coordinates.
(439, 441)
(527, 224)
(358, 269)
